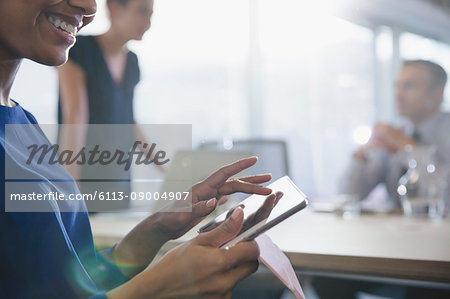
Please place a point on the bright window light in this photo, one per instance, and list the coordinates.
(361, 134)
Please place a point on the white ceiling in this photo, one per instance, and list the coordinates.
(426, 17)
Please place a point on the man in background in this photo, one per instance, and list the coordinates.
(420, 92)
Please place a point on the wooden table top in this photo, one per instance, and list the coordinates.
(390, 246)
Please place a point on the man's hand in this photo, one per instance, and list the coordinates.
(392, 139)
(386, 137)
(197, 268)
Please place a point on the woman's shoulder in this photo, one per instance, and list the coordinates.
(30, 116)
(133, 55)
(83, 50)
(133, 58)
(17, 114)
(83, 39)
(84, 42)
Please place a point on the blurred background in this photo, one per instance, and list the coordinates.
(304, 81)
(315, 74)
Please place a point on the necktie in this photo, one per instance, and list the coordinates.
(416, 135)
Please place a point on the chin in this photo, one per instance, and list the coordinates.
(405, 114)
(52, 58)
(140, 35)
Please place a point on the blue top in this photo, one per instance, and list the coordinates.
(45, 254)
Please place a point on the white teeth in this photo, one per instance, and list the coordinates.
(58, 23)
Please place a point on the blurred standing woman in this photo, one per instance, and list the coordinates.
(97, 87)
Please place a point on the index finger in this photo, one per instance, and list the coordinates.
(257, 179)
(219, 177)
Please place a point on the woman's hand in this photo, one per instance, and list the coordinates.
(140, 246)
(205, 196)
(197, 268)
(261, 214)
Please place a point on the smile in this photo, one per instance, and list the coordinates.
(62, 25)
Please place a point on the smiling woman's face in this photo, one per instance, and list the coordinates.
(41, 30)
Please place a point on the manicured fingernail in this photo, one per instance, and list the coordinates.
(236, 212)
(279, 194)
(210, 203)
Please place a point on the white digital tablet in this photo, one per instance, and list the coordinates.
(261, 214)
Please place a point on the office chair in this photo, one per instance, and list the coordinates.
(273, 156)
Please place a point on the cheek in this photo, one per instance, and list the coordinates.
(46, 48)
(138, 23)
(127, 24)
(25, 31)
(406, 102)
(15, 35)
(416, 103)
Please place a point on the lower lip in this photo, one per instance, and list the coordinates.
(64, 36)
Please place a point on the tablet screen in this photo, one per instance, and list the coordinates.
(259, 209)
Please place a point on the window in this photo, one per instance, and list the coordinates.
(256, 68)
(193, 63)
(248, 69)
(317, 89)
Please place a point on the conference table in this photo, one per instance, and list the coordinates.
(376, 247)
